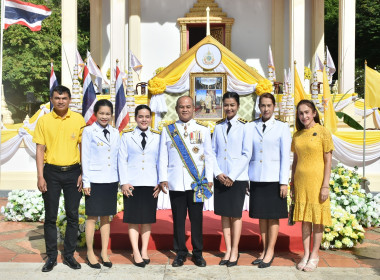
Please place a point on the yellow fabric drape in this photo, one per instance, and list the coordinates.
(299, 92)
(11, 132)
(356, 137)
(330, 119)
(238, 72)
(372, 88)
(177, 72)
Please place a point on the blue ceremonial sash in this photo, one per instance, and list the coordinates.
(200, 183)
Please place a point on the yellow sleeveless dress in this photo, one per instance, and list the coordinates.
(310, 145)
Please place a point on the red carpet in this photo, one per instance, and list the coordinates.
(289, 237)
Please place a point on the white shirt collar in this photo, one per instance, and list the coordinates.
(102, 128)
(268, 122)
(139, 131)
(233, 120)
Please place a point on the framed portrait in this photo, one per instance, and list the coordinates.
(207, 90)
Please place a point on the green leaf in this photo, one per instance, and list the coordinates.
(349, 121)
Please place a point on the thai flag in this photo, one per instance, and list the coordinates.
(121, 109)
(28, 14)
(53, 83)
(89, 98)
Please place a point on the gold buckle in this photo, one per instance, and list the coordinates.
(65, 168)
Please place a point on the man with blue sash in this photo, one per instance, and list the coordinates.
(185, 168)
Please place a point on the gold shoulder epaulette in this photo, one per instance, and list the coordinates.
(202, 123)
(220, 121)
(129, 130)
(155, 131)
(169, 123)
(280, 120)
(242, 120)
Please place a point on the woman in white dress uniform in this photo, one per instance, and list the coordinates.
(231, 172)
(138, 169)
(100, 146)
(268, 172)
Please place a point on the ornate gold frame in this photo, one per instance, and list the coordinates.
(193, 76)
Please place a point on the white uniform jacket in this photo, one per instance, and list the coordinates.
(138, 166)
(232, 153)
(172, 169)
(270, 161)
(99, 156)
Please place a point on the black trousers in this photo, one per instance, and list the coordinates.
(181, 202)
(57, 181)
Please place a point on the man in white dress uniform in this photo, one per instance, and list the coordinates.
(175, 175)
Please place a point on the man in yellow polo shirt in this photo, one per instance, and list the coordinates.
(58, 136)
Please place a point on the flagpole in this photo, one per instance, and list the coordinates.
(1, 66)
(365, 118)
(294, 103)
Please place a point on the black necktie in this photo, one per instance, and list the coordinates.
(229, 126)
(143, 142)
(106, 132)
(264, 127)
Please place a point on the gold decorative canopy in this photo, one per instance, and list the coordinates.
(220, 24)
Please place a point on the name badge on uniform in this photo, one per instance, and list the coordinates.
(196, 137)
(73, 136)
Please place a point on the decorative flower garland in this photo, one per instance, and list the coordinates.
(264, 86)
(307, 73)
(156, 86)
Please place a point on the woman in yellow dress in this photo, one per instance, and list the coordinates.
(312, 146)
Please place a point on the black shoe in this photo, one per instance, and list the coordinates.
(71, 262)
(95, 265)
(233, 263)
(49, 264)
(257, 261)
(106, 264)
(178, 261)
(199, 261)
(140, 264)
(265, 265)
(146, 261)
(223, 262)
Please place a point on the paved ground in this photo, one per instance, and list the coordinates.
(22, 244)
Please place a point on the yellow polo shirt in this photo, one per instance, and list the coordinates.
(61, 137)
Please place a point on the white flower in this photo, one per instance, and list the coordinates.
(345, 202)
(354, 209)
(350, 189)
(369, 195)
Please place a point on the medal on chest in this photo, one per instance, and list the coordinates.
(196, 137)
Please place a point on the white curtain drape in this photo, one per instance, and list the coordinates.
(352, 155)
(10, 147)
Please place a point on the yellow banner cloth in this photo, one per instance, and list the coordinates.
(372, 88)
(299, 92)
(330, 119)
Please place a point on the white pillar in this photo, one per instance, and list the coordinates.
(69, 40)
(297, 36)
(96, 30)
(318, 32)
(278, 37)
(117, 42)
(346, 46)
(134, 30)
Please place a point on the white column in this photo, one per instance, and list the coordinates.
(278, 37)
(96, 30)
(318, 30)
(118, 35)
(134, 30)
(297, 36)
(346, 46)
(69, 40)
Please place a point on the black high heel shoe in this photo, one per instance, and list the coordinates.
(265, 265)
(257, 261)
(230, 264)
(106, 264)
(223, 262)
(146, 261)
(140, 264)
(95, 265)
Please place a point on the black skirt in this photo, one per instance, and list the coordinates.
(103, 199)
(229, 201)
(265, 201)
(141, 207)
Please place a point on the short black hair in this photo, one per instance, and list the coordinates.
(231, 94)
(102, 102)
(267, 95)
(60, 90)
(141, 107)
